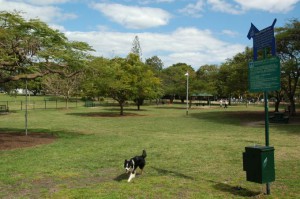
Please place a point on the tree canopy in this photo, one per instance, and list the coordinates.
(288, 49)
(31, 49)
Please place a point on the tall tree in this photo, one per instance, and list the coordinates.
(174, 80)
(94, 84)
(206, 76)
(155, 63)
(288, 49)
(136, 47)
(147, 85)
(66, 87)
(123, 79)
(233, 75)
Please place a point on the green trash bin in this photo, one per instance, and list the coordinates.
(258, 162)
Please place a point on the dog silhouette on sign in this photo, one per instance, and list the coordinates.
(262, 38)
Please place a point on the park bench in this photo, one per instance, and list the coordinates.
(279, 117)
(3, 109)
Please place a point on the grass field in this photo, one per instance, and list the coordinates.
(194, 156)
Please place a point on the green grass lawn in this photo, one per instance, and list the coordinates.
(194, 156)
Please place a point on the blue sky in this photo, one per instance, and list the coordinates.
(195, 32)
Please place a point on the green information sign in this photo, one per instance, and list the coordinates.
(264, 75)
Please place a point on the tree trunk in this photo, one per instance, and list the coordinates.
(293, 107)
(121, 104)
(67, 100)
(277, 102)
(277, 105)
(139, 102)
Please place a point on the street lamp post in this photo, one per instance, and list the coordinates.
(187, 92)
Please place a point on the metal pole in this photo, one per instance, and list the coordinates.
(268, 189)
(187, 93)
(26, 109)
(266, 118)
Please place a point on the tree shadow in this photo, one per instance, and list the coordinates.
(117, 109)
(245, 118)
(106, 114)
(226, 117)
(172, 173)
(170, 107)
(236, 190)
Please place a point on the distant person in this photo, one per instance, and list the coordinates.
(226, 104)
(221, 103)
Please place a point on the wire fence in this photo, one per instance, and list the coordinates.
(17, 105)
(59, 103)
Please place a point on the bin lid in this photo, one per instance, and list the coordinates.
(259, 148)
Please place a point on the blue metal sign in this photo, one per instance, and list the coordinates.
(262, 39)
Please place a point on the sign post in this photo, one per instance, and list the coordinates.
(264, 76)
(187, 92)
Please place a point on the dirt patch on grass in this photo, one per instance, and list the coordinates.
(9, 141)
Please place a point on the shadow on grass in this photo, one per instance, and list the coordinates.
(106, 114)
(117, 109)
(121, 177)
(172, 173)
(230, 117)
(170, 107)
(124, 176)
(245, 118)
(236, 190)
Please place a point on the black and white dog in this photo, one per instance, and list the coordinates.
(135, 162)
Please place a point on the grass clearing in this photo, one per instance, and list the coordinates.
(194, 156)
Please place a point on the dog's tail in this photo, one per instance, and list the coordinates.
(144, 155)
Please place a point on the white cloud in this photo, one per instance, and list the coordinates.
(46, 2)
(223, 6)
(193, 10)
(154, 1)
(132, 16)
(47, 14)
(230, 33)
(189, 45)
(239, 6)
(273, 6)
(57, 27)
